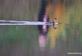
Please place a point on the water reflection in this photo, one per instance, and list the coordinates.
(24, 40)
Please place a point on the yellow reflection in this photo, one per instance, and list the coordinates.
(55, 11)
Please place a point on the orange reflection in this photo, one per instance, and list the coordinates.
(55, 11)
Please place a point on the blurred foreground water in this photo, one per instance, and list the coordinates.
(23, 40)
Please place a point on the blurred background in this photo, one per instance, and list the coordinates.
(23, 40)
